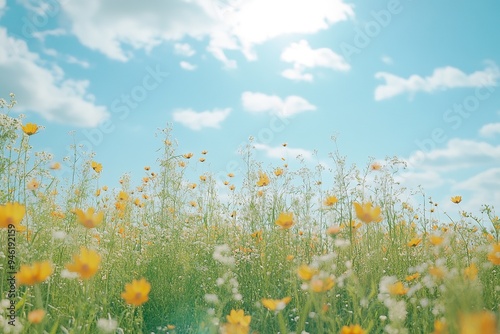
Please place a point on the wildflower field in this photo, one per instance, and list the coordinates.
(280, 252)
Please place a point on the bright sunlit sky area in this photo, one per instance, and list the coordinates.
(413, 79)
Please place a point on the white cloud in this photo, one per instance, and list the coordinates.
(457, 154)
(490, 130)
(429, 178)
(297, 74)
(67, 58)
(462, 167)
(199, 120)
(260, 20)
(279, 152)
(54, 32)
(387, 60)
(187, 66)
(73, 60)
(112, 27)
(184, 49)
(291, 105)
(302, 57)
(483, 188)
(45, 91)
(441, 79)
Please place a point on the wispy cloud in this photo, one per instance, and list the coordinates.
(259, 102)
(457, 154)
(187, 66)
(54, 32)
(483, 188)
(297, 74)
(184, 49)
(387, 60)
(199, 120)
(3, 4)
(279, 152)
(46, 91)
(302, 56)
(66, 58)
(73, 60)
(441, 79)
(415, 178)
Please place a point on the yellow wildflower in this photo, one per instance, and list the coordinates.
(58, 214)
(322, 285)
(263, 179)
(11, 214)
(352, 329)
(375, 166)
(136, 293)
(440, 327)
(456, 199)
(276, 304)
(412, 277)
(330, 200)
(36, 273)
(367, 213)
(333, 230)
(30, 129)
(437, 272)
(470, 273)
(483, 322)
(85, 264)
(97, 167)
(494, 255)
(306, 272)
(122, 196)
(285, 220)
(55, 166)
(257, 235)
(397, 289)
(36, 316)
(436, 240)
(238, 317)
(33, 185)
(89, 219)
(414, 242)
(120, 206)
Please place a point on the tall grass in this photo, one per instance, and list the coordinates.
(208, 253)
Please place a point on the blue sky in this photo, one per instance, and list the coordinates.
(413, 79)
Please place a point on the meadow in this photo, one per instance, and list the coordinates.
(279, 251)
